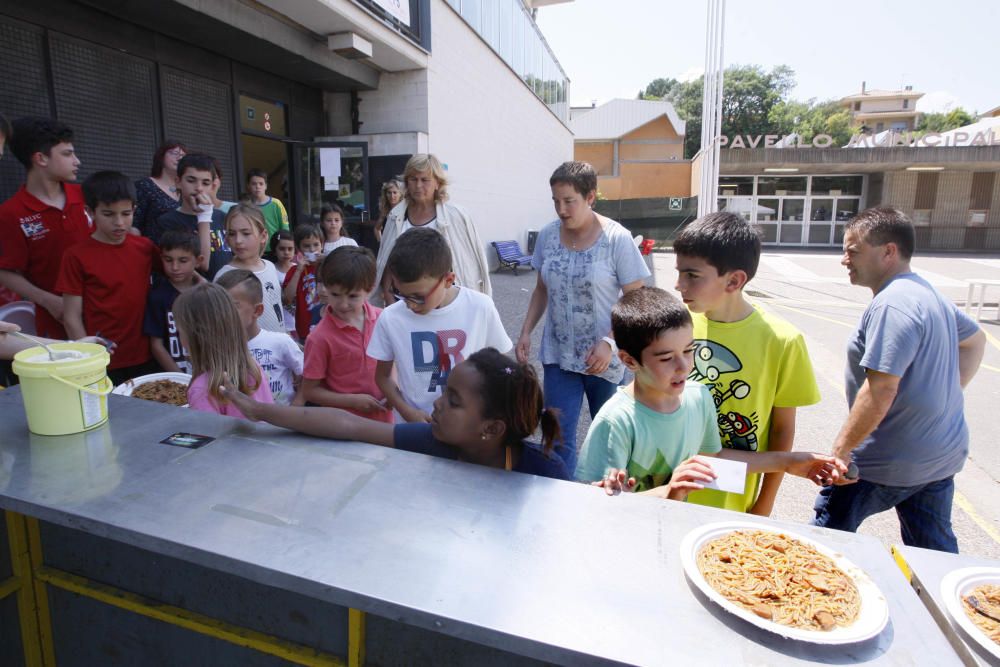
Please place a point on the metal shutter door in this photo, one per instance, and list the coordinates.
(25, 89)
(198, 112)
(107, 98)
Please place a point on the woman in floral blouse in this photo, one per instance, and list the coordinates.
(584, 262)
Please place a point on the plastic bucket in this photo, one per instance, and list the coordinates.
(64, 396)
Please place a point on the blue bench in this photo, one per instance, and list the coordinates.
(511, 256)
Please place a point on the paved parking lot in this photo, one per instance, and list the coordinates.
(811, 290)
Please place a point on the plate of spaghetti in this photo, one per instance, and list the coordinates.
(169, 388)
(784, 582)
(972, 597)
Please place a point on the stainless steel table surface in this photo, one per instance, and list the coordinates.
(928, 568)
(548, 569)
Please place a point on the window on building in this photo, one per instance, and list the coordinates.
(837, 186)
(926, 194)
(981, 193)
(730, 186)
(508, 28)
(857, 106)
(781, 186)
(906, 104)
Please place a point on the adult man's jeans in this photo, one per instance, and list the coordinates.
(564, 390)
(924, 511)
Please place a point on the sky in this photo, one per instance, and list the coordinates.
(613, 48)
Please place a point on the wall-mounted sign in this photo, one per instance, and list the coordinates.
(675, 204)
(930, 139)
(882, 140)
(775, 141)
(398, 8)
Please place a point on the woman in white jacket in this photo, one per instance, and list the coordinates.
(425, 205)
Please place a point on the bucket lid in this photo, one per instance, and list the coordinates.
(97, 358)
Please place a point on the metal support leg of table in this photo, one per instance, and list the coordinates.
(31, 577)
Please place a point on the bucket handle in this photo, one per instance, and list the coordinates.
(108, 385)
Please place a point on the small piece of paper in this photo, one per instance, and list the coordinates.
(329, 164)
(188, 440)
(731, 476)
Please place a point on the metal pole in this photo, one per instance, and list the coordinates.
(711, 111)
(721, 28)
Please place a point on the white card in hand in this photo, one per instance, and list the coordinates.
(731, 476)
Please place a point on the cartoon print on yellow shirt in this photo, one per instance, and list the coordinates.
(711, 361)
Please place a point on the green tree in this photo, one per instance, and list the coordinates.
(942, 122)
(657, 89)
(756, 102)
(807, 119)
(749, 93)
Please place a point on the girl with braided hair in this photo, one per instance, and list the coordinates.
(488, 409)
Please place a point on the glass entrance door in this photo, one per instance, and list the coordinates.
(334, 173)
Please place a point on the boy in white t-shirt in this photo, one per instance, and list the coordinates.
(279, 355)
(433, 327)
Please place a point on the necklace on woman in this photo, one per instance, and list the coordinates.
(585, 235)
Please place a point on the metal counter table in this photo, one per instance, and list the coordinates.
(926, 569)
(330, 543)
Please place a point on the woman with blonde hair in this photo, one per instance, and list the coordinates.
(392, 194)
(210, 329)
(425, 204)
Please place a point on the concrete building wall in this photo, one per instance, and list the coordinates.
(641, 181)
(949, 218)
(399, 104)
(599, 155)
(500, 142)
(993, 217)
(885, 105)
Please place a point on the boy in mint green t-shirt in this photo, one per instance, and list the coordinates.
(660, 431)
(275, 215)
(755, 365)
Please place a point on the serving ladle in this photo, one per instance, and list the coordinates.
(54, 355)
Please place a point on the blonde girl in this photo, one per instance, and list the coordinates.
(246, 235)
(392, 194)
(211, 331)
(334, 234)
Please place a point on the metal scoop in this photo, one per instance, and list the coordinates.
(54, 355)
(982, 607)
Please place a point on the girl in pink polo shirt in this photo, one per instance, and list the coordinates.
(210, 329)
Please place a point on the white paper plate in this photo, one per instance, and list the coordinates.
(957, 585)
(126, 388)
(871, 620)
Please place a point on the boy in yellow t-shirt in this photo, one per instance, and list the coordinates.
(755, 364)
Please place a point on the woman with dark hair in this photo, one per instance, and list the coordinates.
(157, 193)
(489, 409)
(584, 262)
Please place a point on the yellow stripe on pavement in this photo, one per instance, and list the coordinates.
(991, 338)
(978, 518)
(814, 315)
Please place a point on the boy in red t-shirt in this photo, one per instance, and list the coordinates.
(105, 279)
(300, 287)
(44, 218)
(338, 372)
